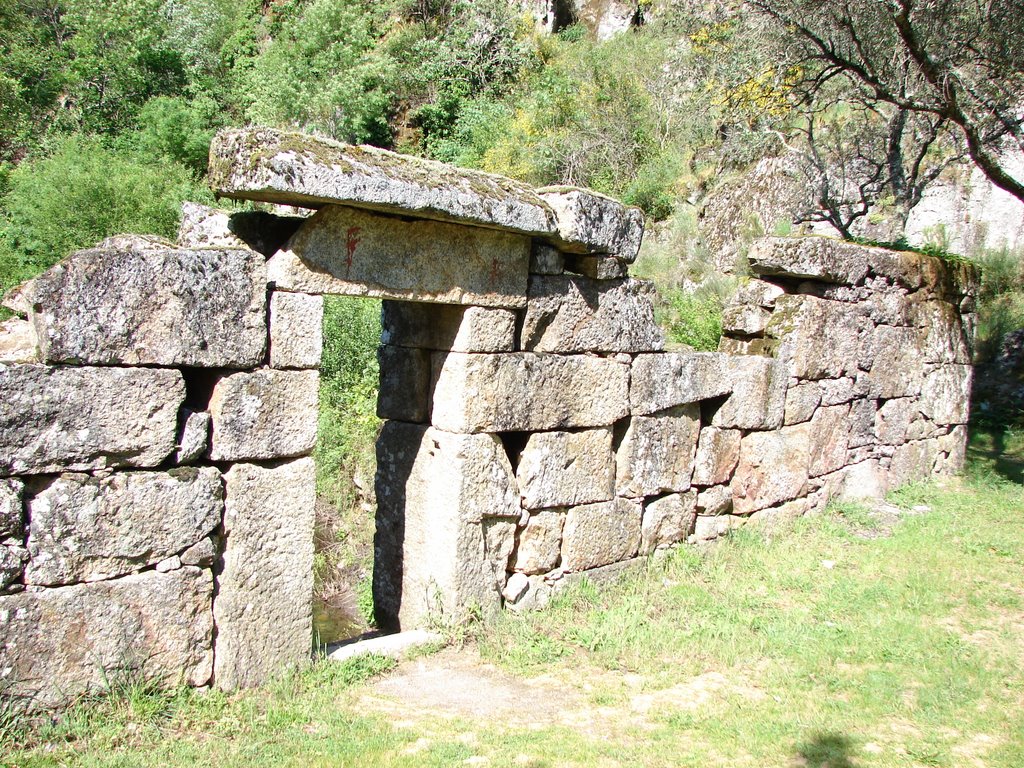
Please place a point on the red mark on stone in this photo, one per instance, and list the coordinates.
(494, 272)
(351, 241)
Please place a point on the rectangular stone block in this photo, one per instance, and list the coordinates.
(263, 608)
(296, 330)
(718, 451)
(546, 260)
(656, 453)
(56, 419)
(895, 364)
(661, 381)
(18, 342)
(946, 394)
(562, 469)
(912, 462)
(758, 399)
(667, 520)
(448, 328)
(596, 267)
(802, 400)
(829, 433)
(134, 305)
(820, 258)
(818, 338)
(404, 393)
(436, 556)
(87, 528)
(265, 414)
(357, 253)
(295, 169)
(12, 517)
(600, 534)
(574, 314)
(540, 543)
(527, 392)
(589, 222)
(773, 468)
(56, 644)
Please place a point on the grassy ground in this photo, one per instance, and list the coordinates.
(852, 640)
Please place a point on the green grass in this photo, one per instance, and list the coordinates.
(812, 646)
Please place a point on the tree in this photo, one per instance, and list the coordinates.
(957, 63)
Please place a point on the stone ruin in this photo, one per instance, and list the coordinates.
(158, 405)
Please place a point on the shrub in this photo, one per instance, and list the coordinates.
(179, 130)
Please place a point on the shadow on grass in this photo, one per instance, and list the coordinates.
(826, 750)
(995, 449)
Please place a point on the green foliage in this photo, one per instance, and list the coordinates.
(1000, 300)
(692, 319)
(81, 193)
(178, 130)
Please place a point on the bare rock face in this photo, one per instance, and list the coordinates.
(159, 306)
(561, 469)
(540, 542)
(676, 378)
(575, 314)
(437, 549)
(656, 453)
(296, 330)
(448, 327)
(265, 414)
(589, 222)
(667, 520)
(599, 534)
(18, 342)
(11, 516)
(155, 625)
(773, 468)
(55, 419)
(353, 252)
(264, 602)
(525, 392)
(86, 528)
(295, 169)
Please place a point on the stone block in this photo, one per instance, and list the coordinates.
(829, 433)
(540, 542)
(60, 643)
(194, 436)
(264, 600)
(600, 534)
(204, 227)
(87, 528)
(954, 445)
(574, 314)
(818, 338)
(667, 520)
(13, 557)
(802, 400)
(824, 259)
(711, 527)
(592, 223)
(758, 293)
(153, 306)
(839, 391)
(946, 394)
(295, 169)
(716, 500)
(499, 543)
(661, 381)
(893, 419)
(296, 330)
(596, 267)
(912, 462)
(435, 493)
(773, 468)
(55, 419)
(718, 452)
(18, 342)
(745, 319)
(546, 260)
(404, 393)
(862, 423)
(526, 392)
(446, 328)
(12, 517)
(863, 480)
(562, 469)
(264, 232)
(896, 364)
(758, 399)
(265, 414)
(656, 453)
(352, 252)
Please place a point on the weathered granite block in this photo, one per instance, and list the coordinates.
(773, 468)
(153, 306)
(716, 500)
(265, 414)
(55, 419)
(447, 327)
(599, 534)
(434, 492)
(525, 392)
(88, 528)
(263, 608)
(589, 222)
(862, 422)
(745, 319)
(829, 433)
(12, 517)
(562, 469)
(667, 520)
(194, 436)
(893, 419)
(802, 401)
(675, 378)
(574, 314)
(758, 399)
(596, 267)
(353, 252)
(913, 461)
(60, 643)
(18, 342)
(819, 339)
(718, 451)
(546, 260)
(296, 330)
(295, 169)
(896, 364)
(946, 394)
(821, 258)
(656, 453)
(540, 542)
(404, 392)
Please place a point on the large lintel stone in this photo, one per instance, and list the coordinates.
(661, 381)
(353, 252)
(819, 258)
(55, 419)
(561, 469)
(436, 494)
(589, 222)
(265, 414)
(88, 528)
(446, 327)
(265, 591)
(294, 169)
(59, 643)
(526, 392)
(153, 306)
